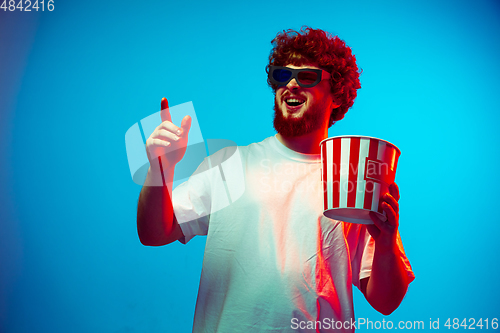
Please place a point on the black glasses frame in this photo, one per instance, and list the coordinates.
(295, 73)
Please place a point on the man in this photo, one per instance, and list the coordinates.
(273, 262)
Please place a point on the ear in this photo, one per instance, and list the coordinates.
(335, 104)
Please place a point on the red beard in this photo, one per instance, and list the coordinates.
(310, 121)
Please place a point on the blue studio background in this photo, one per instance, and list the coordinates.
(72, 81)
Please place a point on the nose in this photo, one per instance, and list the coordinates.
(292, 84)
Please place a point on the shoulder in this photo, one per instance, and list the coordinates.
(222, 150)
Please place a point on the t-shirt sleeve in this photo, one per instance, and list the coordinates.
(192, 201)
(218, 181)
(365, 266)
(406, 262)
(362, 248)
(362, 259)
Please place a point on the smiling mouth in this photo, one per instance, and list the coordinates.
(294, 101)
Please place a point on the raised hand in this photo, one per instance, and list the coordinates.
(167, 141)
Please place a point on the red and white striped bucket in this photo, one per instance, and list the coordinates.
(356, 173)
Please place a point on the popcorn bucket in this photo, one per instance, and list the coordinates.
(356, 172)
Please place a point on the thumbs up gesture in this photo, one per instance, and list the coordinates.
(167, 141)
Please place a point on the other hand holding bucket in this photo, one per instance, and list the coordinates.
(356, 173)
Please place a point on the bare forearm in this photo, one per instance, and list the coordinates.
(388, 281)
(155, 215)
(156, 223)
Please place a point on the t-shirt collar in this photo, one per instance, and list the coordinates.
(292, 154)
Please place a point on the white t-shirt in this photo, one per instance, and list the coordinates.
(272, 261)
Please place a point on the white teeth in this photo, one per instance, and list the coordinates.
(293, 100)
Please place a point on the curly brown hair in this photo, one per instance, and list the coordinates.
(315, 46)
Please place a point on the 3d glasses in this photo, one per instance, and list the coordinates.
(305, 77)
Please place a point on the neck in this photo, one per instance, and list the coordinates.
(305, 144)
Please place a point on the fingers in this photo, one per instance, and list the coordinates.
(166, 119)
(385, 231)
(388, 198)
(394, 191)
(168, 138)
(171, 127)
(165, 114)
(392, 216)
(164, 103)
(186, 124)
(163, 134)
(158, 143)
(391, 205)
